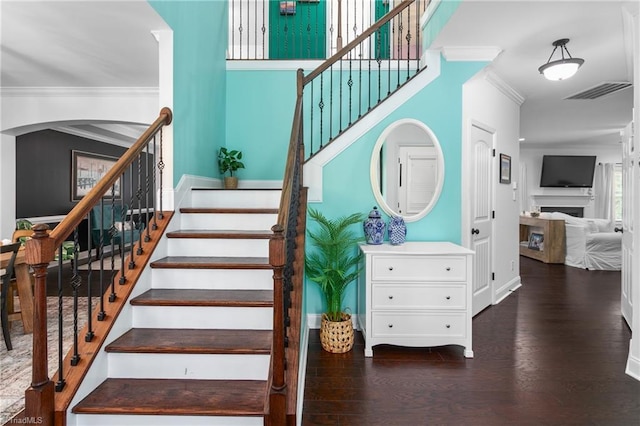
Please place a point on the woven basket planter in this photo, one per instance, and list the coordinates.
(336, 336)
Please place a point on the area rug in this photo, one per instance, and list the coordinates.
(15, 365)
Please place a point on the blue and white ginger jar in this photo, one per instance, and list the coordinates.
(397, 230)
(374, 227)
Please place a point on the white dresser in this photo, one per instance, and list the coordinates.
(416, 294)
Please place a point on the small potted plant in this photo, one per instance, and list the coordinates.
(333, 265)
(229, 161)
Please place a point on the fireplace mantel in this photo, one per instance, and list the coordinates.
(579, 200)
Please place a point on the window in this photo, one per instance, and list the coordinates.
(617, 192)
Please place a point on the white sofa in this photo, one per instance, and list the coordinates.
(590, 243)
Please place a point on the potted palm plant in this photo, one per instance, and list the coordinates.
(333, 264)
(229, 161)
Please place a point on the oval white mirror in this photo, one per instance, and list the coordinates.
(407, 170)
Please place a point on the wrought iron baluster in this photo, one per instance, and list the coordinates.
(137, 222)
(233, 26)
(100, 249)
(311, 118)
(340, 98)
(350, 84)
(61, 381)
(121, 242)
(321, 106)
(160, 169)
(76, 282)
(408, 38)
(147, 191)
(89, 336)
(264, 29)
(240, 29)
(331, 102)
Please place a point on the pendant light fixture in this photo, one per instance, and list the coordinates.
(560, 69)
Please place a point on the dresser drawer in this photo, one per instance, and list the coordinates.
(408, 296)
(418, 325)
(419, 268)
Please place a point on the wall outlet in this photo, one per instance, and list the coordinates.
(513, 265)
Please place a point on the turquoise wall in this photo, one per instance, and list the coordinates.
(259, 112)
(346, 178)
(199, 83)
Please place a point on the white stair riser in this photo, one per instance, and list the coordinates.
(189, 366)
(213, 279)
(218, 247)
(143, 420)
(229, 221)
(236, 199)
(202, 317)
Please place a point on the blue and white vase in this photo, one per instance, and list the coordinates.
(374, 227)
(397, 230)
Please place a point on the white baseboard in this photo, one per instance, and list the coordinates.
(302, 372)
(633, 364)
(504, 291)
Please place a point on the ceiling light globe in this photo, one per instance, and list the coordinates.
(561, 69)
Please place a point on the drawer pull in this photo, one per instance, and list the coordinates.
(448, 268)
(448, 298)
(390, 297)
(390, 325)
(391, 268)
(448, 326)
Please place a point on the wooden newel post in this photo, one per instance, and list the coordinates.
(278, 391)
(39, 398)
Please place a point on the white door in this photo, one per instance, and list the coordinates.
(480, 161)
(629, 158)
(418, 172)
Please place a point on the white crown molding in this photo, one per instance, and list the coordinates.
(78, 91)
(497, 82)
(470, 53)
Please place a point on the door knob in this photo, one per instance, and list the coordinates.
(475, 231)
(616, 229)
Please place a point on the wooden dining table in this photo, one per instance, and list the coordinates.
(24, 284)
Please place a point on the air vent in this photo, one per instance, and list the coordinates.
(600, 90)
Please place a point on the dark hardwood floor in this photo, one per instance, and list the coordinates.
(552, 353)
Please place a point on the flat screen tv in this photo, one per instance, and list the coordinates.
(567, 171)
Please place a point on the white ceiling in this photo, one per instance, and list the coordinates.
(525, 31)
(85, 44)
(93, 43)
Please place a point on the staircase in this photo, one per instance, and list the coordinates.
(198, 348)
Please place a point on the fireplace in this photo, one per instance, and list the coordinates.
(573, 211)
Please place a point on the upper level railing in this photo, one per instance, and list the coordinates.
(362, 75)
(132, 184)
(316, 29)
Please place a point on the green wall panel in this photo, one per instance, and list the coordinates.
(199, 84)
(301, 35)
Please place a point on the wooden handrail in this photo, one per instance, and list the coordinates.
(82, 209)
(287, 182)
(40, 251)
(362, 37)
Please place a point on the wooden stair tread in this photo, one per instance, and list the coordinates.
(212, 262)
(228, 234)
(193, 341)
(176, 397)
(204, 297)
(228, 210)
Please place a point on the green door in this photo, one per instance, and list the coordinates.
(297, 29)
